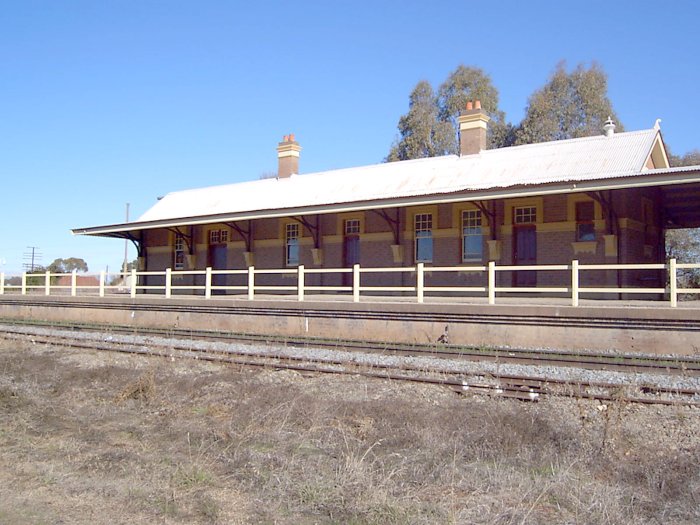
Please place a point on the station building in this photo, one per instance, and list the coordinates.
(605, 199)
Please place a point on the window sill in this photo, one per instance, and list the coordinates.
(584, 247)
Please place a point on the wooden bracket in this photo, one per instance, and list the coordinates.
(393, 222)
(246, 234)
(314, 229)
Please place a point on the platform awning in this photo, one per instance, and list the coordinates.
(680, 188)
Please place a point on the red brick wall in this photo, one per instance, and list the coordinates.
(555, 245)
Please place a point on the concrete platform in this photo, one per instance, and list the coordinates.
(621, 326)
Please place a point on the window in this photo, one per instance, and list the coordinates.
(525, 215)
(218, 236)
(292, 244)
(472, 244)
(352, 226)
(179, 262)
(585, 228)
(424, 237)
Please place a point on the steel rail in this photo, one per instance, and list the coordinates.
(512, 386)
(688, 366)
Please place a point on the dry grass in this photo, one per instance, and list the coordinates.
(94, 438)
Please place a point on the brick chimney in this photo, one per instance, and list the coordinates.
(473, 123)
(288, 155)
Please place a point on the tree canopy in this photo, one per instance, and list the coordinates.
(569, 105)
(692, 158)
(423, 134)
(68, 265)
(430, 128)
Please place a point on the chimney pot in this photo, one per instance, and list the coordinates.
(288, 157)
(473, 127)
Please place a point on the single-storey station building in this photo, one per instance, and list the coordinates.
(606, 199)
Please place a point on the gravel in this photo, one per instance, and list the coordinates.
(321, 355)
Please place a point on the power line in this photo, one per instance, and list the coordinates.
(32, 258)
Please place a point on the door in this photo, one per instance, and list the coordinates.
(525, 254)
(351, 255)
(217, 261)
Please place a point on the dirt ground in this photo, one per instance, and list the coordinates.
(99, 438)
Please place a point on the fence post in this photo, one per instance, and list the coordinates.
(355, 283)
(2, 283)
(207, 283)
(492, 282)
(673, 282)
(251, 283)
(133, 283)
(300, 283)
(74, 283)
(574, 282)
(102, 283)
(168, 283)
(420, 282)
(24, 283)
(47, 283)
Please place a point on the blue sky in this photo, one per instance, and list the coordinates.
(108, 102)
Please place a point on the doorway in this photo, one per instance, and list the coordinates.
(217, 261)
(524, 254)
(351, 256)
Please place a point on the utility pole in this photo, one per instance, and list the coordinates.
(33, 256)
(125, 266)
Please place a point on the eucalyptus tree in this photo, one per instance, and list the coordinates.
(569, 105)
(472, 83)
(422, 133)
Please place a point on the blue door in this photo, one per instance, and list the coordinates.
(525, 254)
(217, 261)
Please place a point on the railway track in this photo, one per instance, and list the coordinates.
(528, 388)
(688, 366)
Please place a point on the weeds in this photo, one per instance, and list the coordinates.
(202, 443)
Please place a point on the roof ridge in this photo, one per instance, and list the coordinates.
(574, 139)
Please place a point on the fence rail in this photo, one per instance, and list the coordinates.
(129, 283)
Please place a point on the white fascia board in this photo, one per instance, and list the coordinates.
(650, 178)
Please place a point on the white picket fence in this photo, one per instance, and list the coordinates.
(129, 283)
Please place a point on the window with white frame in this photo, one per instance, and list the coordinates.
(472, 243)
(292, 244)
(424, 237)
(179, 254)
(525, 215)
(352, 226)
(218, 236)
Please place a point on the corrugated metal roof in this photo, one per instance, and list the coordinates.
(584, 159)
